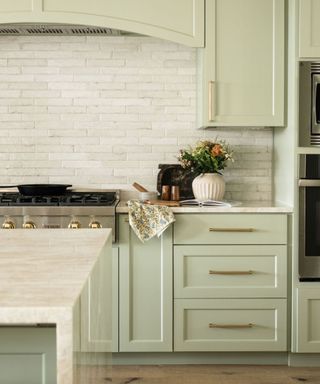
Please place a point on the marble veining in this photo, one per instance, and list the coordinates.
(42, 273)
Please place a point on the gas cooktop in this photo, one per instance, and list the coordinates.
(69, 199)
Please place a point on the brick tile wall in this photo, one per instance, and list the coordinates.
(105, 111)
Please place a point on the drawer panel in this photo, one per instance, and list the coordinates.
(230, 325)
(230, 271)
(230, 229)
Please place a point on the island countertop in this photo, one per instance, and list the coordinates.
(42, 274)
(46, 267)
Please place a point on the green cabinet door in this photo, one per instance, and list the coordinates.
(145, 291)
(308, 325)
(99, 306)
(309, 29)
(243, 63)
(27, 355)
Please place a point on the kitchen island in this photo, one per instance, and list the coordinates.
(43, 273)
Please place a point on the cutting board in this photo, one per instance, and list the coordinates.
(168, 203)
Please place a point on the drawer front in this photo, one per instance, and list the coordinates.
(230, 325)
(230, 271)
(230, 229)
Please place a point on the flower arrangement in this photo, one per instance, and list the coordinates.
(206, 157)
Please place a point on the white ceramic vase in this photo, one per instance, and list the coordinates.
(208, 186)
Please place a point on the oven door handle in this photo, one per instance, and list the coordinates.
(309, 183)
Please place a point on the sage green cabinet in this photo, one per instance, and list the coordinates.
(230, 282)
(230, 271)
(309, 29)
(308, 324)
(181, 21)
(243, 63)
(145, 291)
(230, 325)
(99, 306)
(27, 355)
(226, 228)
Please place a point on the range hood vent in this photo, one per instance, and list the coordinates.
(59, 29)
(9, 31)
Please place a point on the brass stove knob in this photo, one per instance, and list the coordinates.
(74, 224)
(8, 224)
(29, 225)
(95, 224)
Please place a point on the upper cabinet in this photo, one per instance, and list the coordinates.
(309, 29)
(181, 21)
(243, 63)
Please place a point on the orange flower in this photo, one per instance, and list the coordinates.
(216, 150)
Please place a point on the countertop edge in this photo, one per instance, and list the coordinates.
(122, 208)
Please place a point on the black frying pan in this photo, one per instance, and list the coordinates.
(40, 189)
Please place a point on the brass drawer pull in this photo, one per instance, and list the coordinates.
(126, 220)
(216, 229)
(212, 272)
(211, 100)
(230, 326)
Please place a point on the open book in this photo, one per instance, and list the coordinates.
(212, 203)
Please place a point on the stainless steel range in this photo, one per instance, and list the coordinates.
(74, 210)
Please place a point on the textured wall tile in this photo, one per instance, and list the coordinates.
(105, 111)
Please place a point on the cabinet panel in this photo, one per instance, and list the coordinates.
(308, 338)
(244, 63)
(230, 229)
(309, 28)
(230, 325)
(27, 355)
(181, 20)
(98, 309)
(229, 271)
(145, 291)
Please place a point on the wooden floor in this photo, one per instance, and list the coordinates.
(212, 374)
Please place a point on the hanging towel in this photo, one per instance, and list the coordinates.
(147, 220)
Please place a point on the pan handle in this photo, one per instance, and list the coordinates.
(8, 186)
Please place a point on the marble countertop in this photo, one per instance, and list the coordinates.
(46, 267)
(42, 274)
(243, 207)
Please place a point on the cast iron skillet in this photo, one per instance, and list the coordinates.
(40, 189)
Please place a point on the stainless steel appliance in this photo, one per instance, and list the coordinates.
(74, 210)
(309, 218)
(309, 104)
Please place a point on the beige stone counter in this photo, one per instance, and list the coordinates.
(42, 274)
(243, 207)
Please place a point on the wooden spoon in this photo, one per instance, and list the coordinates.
(139, 187)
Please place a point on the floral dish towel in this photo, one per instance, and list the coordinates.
(147, 220)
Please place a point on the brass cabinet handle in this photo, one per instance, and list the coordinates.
(230, 326)
(212, 272)
(216, 229)
(126, 220)
(211, 100)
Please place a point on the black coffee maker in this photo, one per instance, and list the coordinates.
(174, 174)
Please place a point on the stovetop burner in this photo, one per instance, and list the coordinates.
(69, 199)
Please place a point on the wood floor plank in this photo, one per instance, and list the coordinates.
(214, 374)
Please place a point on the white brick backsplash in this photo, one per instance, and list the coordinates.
(105, 111)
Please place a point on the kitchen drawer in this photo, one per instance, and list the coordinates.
(231, 228)
(230, 325)
(202, 271)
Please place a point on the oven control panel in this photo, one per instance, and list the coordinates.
(53, 222)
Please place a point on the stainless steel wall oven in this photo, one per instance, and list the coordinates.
(309, 218)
